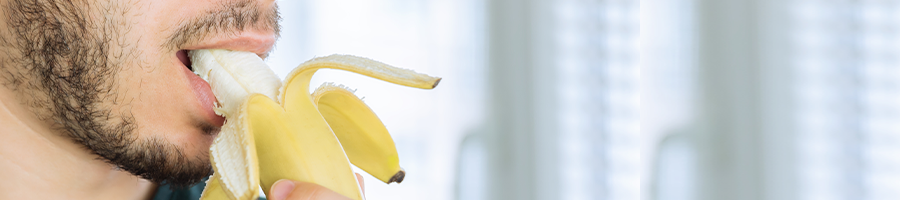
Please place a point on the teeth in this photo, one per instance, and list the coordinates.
(280, 131)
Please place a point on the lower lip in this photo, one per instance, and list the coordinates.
(205, 97)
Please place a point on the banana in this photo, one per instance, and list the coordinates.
(234, 75)
(275, 131)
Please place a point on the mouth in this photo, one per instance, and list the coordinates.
(185, 59)
(257, 43)
(205, 99)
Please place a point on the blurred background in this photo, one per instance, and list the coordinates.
(539, 98)
(770, 99)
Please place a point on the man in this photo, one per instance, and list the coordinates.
(97, 101)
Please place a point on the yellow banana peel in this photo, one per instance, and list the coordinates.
(362, 134)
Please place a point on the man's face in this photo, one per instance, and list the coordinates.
(113, 75)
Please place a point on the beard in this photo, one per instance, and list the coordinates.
(64, 57)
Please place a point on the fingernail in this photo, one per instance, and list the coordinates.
(281, 189)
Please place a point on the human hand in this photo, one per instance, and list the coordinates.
(285, 189)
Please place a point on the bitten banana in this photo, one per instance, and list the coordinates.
(291, 134)
(234, 75)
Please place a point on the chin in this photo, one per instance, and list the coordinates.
(203, 141)
(197, 142)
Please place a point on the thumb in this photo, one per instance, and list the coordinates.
(285, 189)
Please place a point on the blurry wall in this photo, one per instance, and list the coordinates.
(563, 120)
(668, 96)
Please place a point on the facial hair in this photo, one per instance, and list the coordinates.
(67, 65)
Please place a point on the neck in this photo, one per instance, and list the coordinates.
(37, 162)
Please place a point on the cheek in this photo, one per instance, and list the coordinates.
(151, 85)
(161, 103)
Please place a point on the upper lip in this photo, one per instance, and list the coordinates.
(260, 43)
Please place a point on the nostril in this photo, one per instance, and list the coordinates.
(183, 57)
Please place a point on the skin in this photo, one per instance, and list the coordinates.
(95, 103)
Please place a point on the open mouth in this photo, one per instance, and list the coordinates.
(256, 42)
(185, 59)
(206, 100)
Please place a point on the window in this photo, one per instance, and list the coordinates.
(848, 95)
(598, 99)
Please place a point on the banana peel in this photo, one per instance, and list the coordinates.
(362, 134)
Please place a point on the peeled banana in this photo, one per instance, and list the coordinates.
(278, 130)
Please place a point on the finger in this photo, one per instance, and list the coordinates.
(281, 189)
(293, 190)
(311, 191)
(362, 183)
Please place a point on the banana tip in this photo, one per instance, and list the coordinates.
(398, 177)
(436, 83)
